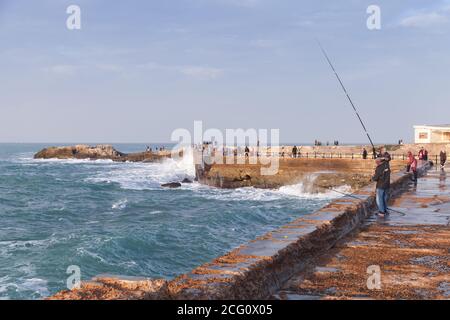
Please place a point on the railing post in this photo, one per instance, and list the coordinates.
(353, 156)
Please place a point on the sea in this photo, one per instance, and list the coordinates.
(115, 218)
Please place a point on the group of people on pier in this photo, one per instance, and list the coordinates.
(382, 174)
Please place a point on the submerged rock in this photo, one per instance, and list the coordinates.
(186, 180)
(171, 185)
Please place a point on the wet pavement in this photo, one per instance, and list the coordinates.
(407, 251)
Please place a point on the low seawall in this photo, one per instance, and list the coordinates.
(259, 268)
(311, 172)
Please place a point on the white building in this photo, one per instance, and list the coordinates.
(432, 134)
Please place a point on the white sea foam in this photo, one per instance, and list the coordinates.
(31, 160)
(299, 190)
(254, 194)
(148, 176)
(28, 283)
(119, 205)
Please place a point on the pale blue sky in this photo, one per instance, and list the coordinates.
(140, 69)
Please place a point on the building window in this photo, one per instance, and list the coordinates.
(423, 135)
(446, 136)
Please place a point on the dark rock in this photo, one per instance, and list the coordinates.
(171, 185)
(186, 180)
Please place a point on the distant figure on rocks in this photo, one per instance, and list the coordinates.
(383, 178)
(247, 151)
(294, 152)
(443, 158)
(364, 154)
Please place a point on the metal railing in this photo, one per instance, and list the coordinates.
(320, 155)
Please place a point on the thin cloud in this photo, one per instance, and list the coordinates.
(63, 69)
(202, 72)
(198, 72)
(424, 19)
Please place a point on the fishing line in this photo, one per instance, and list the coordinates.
(354, 197)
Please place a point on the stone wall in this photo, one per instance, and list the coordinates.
(311, 172)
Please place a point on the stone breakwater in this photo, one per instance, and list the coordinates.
(259, 268)
(315, 174)
(99, 152)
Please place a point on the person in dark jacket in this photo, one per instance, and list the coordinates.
(247, 151)
(443, 159)
(383, 178)
(384, 154)
(294, 152)
(364, 154)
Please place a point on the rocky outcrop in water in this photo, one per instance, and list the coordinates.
(98, 152)
(171, 185)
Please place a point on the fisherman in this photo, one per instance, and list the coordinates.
(383, 178)
(443, 158)
(384, 154)
(364, 154)
(294, 152)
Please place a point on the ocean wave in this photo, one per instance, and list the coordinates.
(65, 161)
(35, 287)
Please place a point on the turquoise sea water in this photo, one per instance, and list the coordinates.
(115, 218)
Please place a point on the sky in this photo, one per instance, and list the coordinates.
(139, 69)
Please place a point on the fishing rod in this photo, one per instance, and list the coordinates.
(348, 97)
(355, 197)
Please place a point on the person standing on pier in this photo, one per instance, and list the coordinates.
(412, 166)
(294, 152)
(384, 154)
(443, 158)
(383, 179)
(421, 154)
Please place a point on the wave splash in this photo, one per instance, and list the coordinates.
(148, 176)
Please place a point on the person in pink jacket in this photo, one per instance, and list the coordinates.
(412, 165)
